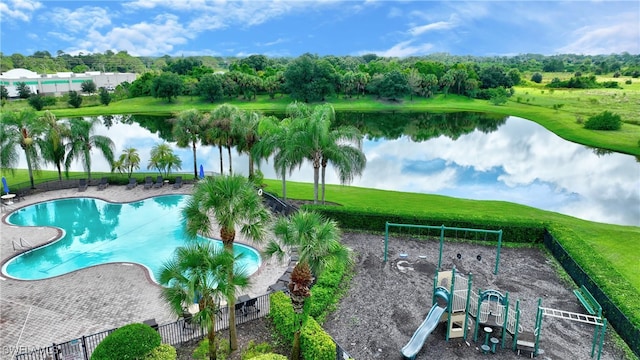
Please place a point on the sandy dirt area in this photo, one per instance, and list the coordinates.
(387, 302)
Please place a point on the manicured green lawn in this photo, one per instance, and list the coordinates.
(611, 252)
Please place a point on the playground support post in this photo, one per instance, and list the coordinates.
(452, 295)
(506, 319)
(538, 328)
(517, 326)
(466, 307)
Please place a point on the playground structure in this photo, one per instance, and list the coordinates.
(491, 313)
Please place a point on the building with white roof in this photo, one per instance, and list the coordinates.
(62, 82)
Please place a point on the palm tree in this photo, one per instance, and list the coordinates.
(164, 160)
(313, 137)
(20, 128)
(205, 272)
(317, 241)
(274, 140)
(339, 149)
(82, 141)
(128, 161)
(222, 118)
(245, 132)
(188, 130)
(231, 202)
(52, 147)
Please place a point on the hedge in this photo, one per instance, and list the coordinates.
(130, 342)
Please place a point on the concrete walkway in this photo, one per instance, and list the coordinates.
(36, 314)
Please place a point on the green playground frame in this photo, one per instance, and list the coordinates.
(442, 230)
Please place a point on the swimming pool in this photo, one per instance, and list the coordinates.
(97, 232)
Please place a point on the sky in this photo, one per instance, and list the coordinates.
(275, 28)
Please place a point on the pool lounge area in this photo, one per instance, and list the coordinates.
(38, 313)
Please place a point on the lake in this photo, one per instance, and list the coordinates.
(482, 157)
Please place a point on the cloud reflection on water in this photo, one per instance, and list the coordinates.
(521, 162)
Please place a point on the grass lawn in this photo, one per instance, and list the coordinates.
(612, 252)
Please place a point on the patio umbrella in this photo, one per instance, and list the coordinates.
(5, 187)
(201, 172)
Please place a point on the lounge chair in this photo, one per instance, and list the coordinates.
(148, 182)
(104, 182)
(132, 183)
(187, 320)
(82, 185)
(178, 183)
(159, 182)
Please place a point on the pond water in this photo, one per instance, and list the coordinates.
(478, 157)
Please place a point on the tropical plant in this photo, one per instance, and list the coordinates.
(20, 129)
(317, 241)
(220, 129)
(82, 141)
(187, 130)
(245, 132)
(128, 161)
(52, 147)
(205, 272)
(312, 136)
(274, 140)
(232, 202)
(164, 159)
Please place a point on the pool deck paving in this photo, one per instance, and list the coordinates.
(35, 314)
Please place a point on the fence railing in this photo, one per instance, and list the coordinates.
(176, 333)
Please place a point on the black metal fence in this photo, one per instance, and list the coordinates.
(176, 333)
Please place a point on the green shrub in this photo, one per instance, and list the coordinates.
(202, 351)
(162, 352)
(129, 342)
(270, 357)
(315, 342)
(282, 315)
(604, 121)
(253, 350)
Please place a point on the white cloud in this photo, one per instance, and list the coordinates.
(18, 9)
(142, 39)
(623, 35)
(402, 49)
(274, 42)
(79, 20)
(440, 25)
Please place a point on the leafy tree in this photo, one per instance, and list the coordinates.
(498, 96)
(24, 91)
(205, 272)
(210, 87)
(20, 129)
(233, 203)
(604, 121)
(166, 86)
(536, 77)
(83, 141)
(128, 161)
(88, 86)
(318, 243)
(105, 97)
(4, 93)
(494, 76)
(52, 146)
(393, 85)
(188, 130)
(142, 85)
(310, 79)
(36, 101)
(75, 99)
(431, 85)
(164, 159)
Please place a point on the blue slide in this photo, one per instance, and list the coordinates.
(412, 348)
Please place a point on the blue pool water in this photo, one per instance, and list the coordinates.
(98, 232)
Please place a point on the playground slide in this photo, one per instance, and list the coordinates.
(412, 348)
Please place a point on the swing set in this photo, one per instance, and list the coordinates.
(464, 232)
